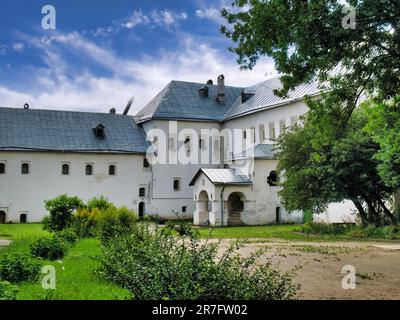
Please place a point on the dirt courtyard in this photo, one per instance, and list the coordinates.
(320, 274)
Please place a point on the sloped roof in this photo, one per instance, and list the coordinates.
(260, 151)
(222, 176)
(181, 100)
(50, 130)
(264, 97)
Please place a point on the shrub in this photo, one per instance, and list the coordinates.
(325, 228)
(84, 222)
(49, 248)
(66, 235)
(18, 267)
(154, 265)
(100, 203)
(7, 291)
(60, 209)
(182, 228)
(115, 222)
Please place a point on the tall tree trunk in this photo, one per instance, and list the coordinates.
(361, 211)
(397, 204)
(391, 216)
(372, 213)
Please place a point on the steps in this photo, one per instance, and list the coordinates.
(234, 218)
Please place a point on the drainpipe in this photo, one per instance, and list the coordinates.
(222, 205)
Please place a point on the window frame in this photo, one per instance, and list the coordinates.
(29, 167)
(4, 164)
(62, 168)
(92, 170)
(142, 194)
(112, 164)
(179, 184)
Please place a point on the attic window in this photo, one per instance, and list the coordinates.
(99, 131)
(246, 96)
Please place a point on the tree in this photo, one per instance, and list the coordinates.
(60, 209)
(344, 169)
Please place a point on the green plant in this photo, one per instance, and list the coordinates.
(8, 291)
(67, 235)
(100, 203)
(84, 222)
(115, 221)
(49, 248)
(60, 209)
(18, 267)
(153, 264)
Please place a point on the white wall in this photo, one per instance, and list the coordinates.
(21, 193)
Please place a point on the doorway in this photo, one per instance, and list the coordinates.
(235, 208)
(278, 215)
(141, 210)
(2, 217)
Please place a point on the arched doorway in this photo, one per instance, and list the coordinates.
(141, 210)
(235, 208)
(278, 215)
(23, 218)
(2, 217)
(202, 208)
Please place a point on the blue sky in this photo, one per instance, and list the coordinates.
(104, 52)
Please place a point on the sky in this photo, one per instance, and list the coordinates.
(102, 53)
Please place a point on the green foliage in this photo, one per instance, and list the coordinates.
(384, 126)
(84, 222)
(100, 203)
(8, 291)
(325, 228)
(18, 267)
(182, 228)
(154, 265)
(60, 209)
(344, 168)
(67, 235)
(49, 248)
(115, 221)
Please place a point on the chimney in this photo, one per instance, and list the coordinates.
(203, 91)
(26, 106)
(210, 82)
(113, 111)
(221, 89)
(128, 106)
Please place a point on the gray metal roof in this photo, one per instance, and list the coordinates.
(260, 151)
(223, 176)
(181, 100)
(49, 130)
(264, 97)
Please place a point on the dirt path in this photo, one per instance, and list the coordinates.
(377, 266)
(4, 242)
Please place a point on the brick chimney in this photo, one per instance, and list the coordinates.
(221, 89)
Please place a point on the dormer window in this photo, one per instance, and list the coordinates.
(99, 131)
(246, 95)
(203, 91)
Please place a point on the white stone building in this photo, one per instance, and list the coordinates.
(182, 153)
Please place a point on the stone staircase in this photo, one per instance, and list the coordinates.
(234, 218)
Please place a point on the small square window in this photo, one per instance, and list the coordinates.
(89, 169)
(142, 192)
(112, 170)
(184, 208)
(177, 184)
(146, 163)
(65, 169)
(25, 168)
(2, 168)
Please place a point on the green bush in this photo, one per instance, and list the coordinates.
(18, 267)
(66, 235)
(154, 265)
(115, 222)
(100, 203)
(325, 228)
(182, 228)
(84, 222)
(7, 291)
(49, 248)
(60, 209)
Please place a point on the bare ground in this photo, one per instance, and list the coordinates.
(320, 265)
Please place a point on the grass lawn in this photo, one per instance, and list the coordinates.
(75, 277)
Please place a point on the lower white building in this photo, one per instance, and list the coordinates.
(181, 154)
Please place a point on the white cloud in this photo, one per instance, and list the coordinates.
(18, 46)
(210, 13)
(167, 17)
(59, 87)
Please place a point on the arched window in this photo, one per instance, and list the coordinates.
(2, 168)
(142, 192)
(65, 169)
(23, 218)
(25, 168)
(111, 170)
(89, 170)
(145, 163)
(272, 179)
(177, 184)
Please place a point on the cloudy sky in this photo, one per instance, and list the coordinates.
(104, 52)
